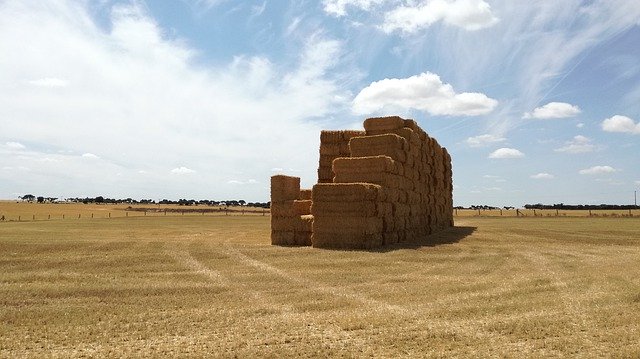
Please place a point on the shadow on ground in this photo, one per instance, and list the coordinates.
(447, 236)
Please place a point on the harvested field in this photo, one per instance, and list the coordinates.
(214, 286)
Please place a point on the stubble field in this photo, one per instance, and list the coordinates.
(213, 286)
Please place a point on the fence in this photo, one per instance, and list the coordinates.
(21, 216)
(546, 213)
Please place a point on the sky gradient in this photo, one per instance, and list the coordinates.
(537, 101)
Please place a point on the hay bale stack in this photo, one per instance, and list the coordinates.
(349, 215)
(291, 220)
(388, 184)
(333, 144)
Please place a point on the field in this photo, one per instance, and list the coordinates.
(195, 285)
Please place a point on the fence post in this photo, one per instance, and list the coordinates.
(18, 218)
(109, 214)
(126, 214)
(63, 216)
(517, 212)
(556, 213)
(78, 215)
(501, 213)
(49, 217)
(456, 211)
(34, 217)
(91, 215)
(589, 213)
(534, 213)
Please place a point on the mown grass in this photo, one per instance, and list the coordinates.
(213, 286)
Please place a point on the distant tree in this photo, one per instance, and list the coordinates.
(28, 197)
(40, 199)
(242, 202)
(99, 199)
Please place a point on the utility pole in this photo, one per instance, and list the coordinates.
(635, 198)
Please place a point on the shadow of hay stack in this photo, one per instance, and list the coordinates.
(450, 235)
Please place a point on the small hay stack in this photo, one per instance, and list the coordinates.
(291, 220)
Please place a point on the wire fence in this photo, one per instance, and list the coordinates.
(533, 213)
(22, 216)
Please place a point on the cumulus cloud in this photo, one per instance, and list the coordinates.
(239, 182)
(90, 156)
(543, 176)
(425, 92)
(339, 7)
(483, 140)
(470, 15)
(598, 170)
(622, 124)
(553, 110)
(502, 153)
(182, 171)
(137, 92)
(579, 144)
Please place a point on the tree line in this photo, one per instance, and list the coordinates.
(180, 202)
(581, 206)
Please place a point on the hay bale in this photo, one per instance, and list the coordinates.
(284, 188)
(280, 238)
(305, 194)
(340, 209)
(327, 136)
(282, 209)
(303, 223)
(330, 149)
(390, 145)
(365, 225)
(302, 238)
(384, 179)
(302, 207)
(349, 134)
(325, 174)
(383, 123)
(364, 164)
(345, 192)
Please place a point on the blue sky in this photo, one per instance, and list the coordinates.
(537, 101)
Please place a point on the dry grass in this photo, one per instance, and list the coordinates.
(214, 286)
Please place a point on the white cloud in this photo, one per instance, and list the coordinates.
(483, 140)
(580, 125)
(579, 144)
(49, 82)
(470, 15)
(553, 110)
(505, 152)
(543, 175)
(239, 182)
(90, 156)
(339, 7)
(623, 124)
(490, 176)
(15, 145)
(425, 92)
(150, 101)
(598, 170)
(182, 171)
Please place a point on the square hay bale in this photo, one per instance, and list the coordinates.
(365, 225)
(340, 209)
(390, 145)
(283, 224)
(303, 223)
(282, 209)
(326, 160)
(349, 134)
(327, 136)
(305, 194)
(345, 192)
(388, 180)
(383, 123)
(325, 174)
(284, 188)
(329, 149)
(364, 164)
(280, 238)
(302, 238)
(302, 207)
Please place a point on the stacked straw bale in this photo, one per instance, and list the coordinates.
(414, 198)
(333, 144)
(388, 184)
(291, 220)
